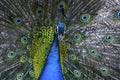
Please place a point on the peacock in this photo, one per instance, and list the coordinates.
(59, 39)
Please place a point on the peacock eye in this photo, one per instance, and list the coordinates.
(48, 22)
(85, 18)
(35, 29)
(93, 52)
(20, 76)
(39, 11)
(31, 73)
(77, 73)
(11, 54)
(62, 6)
(24, 40)
(109, 38)
(117, 14)
(104, 71)
(23, 58)
(77, 37)
(72, 57)
(18, 21)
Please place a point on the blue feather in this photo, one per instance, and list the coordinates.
(52, 69)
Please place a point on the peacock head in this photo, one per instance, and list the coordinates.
(60, 30)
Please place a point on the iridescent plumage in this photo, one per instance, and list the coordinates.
(88, 33)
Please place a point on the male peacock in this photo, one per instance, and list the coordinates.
(59, 39)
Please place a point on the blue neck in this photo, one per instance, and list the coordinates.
(52, 69)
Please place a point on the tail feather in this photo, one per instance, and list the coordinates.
(90, 45)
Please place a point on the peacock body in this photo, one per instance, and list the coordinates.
(59, 40)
